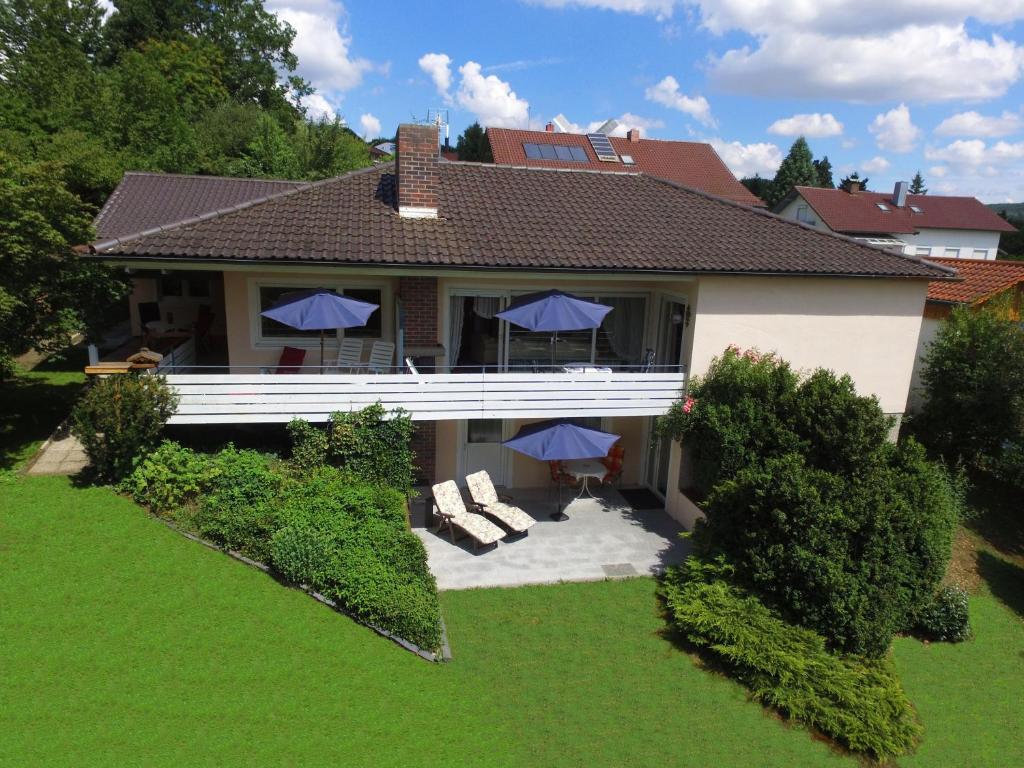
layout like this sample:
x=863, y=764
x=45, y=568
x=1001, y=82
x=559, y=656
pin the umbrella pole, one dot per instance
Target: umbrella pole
x=321, y=351
x=558, y=513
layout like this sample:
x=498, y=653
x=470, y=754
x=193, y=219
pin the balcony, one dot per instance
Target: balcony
x=215, y=398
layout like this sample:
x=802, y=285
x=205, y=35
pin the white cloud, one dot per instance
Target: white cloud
x=318, y=108
x=370, y=125
x=748, y=159
x=920, y=63
x=491, y=99
x=625, y=121
x=322, y=45
x=938, y=170
x=667, y=94
x=975, y=124
x=894, y=130
x=813, y=126
x=991, y=172
x=876, y=164
x=438, y=66
x=659, y=8
x=975, y=153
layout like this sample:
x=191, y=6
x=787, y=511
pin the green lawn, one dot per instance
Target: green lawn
x=122, y=643
x=33, y=403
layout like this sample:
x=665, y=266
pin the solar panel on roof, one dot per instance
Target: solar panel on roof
x=602, y=147
x=535, y=151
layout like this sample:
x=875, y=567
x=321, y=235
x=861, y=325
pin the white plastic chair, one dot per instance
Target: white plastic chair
x=381, y=354
x=350, y=355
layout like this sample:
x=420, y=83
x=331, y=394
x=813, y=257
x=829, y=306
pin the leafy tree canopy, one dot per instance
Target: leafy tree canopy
x=472, y=145
x=824, y=170
x=797, y=169
x=917, y=186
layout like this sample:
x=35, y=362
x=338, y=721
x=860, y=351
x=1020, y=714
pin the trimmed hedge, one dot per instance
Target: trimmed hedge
x=856, y=701
x=946, y=617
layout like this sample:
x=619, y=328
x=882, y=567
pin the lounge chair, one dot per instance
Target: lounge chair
x=291, y=360
x=486, y=497
x=350, y=355
x=448, y=505
x=381, y=354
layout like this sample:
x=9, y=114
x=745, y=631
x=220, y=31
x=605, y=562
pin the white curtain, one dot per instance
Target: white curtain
x=486, y=306
x=456, y=317
x=625, y=326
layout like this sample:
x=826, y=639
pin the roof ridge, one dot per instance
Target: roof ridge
x=791, y=222
x=161, y=174
x=104, y=245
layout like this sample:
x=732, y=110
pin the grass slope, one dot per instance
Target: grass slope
x=125, y=644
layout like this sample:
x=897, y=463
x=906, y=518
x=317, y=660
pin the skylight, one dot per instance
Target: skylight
x=555, y=152
x=602, y=147
x=882, y=207
x=627, y=159
x=915, y=209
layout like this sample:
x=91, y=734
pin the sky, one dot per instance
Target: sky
x=883, y=87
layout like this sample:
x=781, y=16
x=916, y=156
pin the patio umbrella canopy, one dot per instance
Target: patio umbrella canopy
x=561, y=440
x=554, y=311
x=320, y=309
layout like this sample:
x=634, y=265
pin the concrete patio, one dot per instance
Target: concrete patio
x=602, y=538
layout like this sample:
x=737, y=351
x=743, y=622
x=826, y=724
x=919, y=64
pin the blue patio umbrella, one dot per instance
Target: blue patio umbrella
x=554, y=311
x=561, y=440
x=320, y=309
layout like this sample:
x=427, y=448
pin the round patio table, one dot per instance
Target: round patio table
x=584, y=469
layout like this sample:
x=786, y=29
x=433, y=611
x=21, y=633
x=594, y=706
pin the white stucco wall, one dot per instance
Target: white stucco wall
x=965, y=241
x=929, y=329
x=867, y=328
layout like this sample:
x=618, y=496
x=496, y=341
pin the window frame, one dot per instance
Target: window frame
x=951, y=253
x=260, y=340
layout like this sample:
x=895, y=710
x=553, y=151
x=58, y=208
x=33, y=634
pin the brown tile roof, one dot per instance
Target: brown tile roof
x=171, y=198
x=495, y=216
x=859, y=212
x=690, y=163
x=982, y=279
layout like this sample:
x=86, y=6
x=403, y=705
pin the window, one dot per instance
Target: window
x=198, y=287
x=980, y=253
x=171, y=285
x=952, y=253
x=555, y=152
x=915, y=209
x=619, y=341
x=922, y=250
x=883, y=207
x=803, y=215
x=271, y=329
x=483, y=431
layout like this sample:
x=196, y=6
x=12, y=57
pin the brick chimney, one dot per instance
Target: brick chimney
x=416, y=171
x=550, y=127
x=633, y=135
x=853, y=187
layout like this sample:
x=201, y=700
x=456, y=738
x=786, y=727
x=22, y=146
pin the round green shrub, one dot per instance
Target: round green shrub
x=169, y=478
x=302, y=555
x=119, y=419
x=946, y=618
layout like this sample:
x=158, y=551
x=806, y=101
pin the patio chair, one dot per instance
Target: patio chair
x=380, y=356
x=486, y=497
x=613, y=463
x=448, y=505
x=291, y=360
x=350, y=355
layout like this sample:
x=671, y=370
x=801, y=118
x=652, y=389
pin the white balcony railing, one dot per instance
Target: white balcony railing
x=235, y=398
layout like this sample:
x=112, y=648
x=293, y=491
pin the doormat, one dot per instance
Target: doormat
x=641, y=498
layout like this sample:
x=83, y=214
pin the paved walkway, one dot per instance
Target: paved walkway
x=62, y=455
x=603, y=538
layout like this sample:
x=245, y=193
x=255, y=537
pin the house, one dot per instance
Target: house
x=689, y=163
x=982, y=281
x=919, y=225
x=443, y=246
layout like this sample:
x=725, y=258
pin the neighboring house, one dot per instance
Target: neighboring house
x=920, y=225
x=690, y=163
x=981, y=282
x=443, y=246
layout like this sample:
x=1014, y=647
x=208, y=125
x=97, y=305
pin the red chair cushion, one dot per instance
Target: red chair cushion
x=291, y=360
x=613, y=462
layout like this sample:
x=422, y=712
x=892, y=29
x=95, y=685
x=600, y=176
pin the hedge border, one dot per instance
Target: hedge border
x=444, y=655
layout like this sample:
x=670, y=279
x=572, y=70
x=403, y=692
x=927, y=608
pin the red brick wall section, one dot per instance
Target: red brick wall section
x=424, y=445
x=419, y=299
x=416, y=166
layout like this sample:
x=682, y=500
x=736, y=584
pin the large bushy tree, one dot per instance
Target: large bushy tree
x=474, y=146
x=797, y=170
x=974, y=383
x=816, y=511
x=47, y=292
